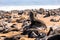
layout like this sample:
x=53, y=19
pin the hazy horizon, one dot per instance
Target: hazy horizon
x=9, y=8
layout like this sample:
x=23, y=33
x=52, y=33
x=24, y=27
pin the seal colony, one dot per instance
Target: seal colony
x=41, y=24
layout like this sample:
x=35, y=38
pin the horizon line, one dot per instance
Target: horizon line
x=9, y=8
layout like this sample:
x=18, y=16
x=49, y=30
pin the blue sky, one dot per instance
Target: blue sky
x=29, y=2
